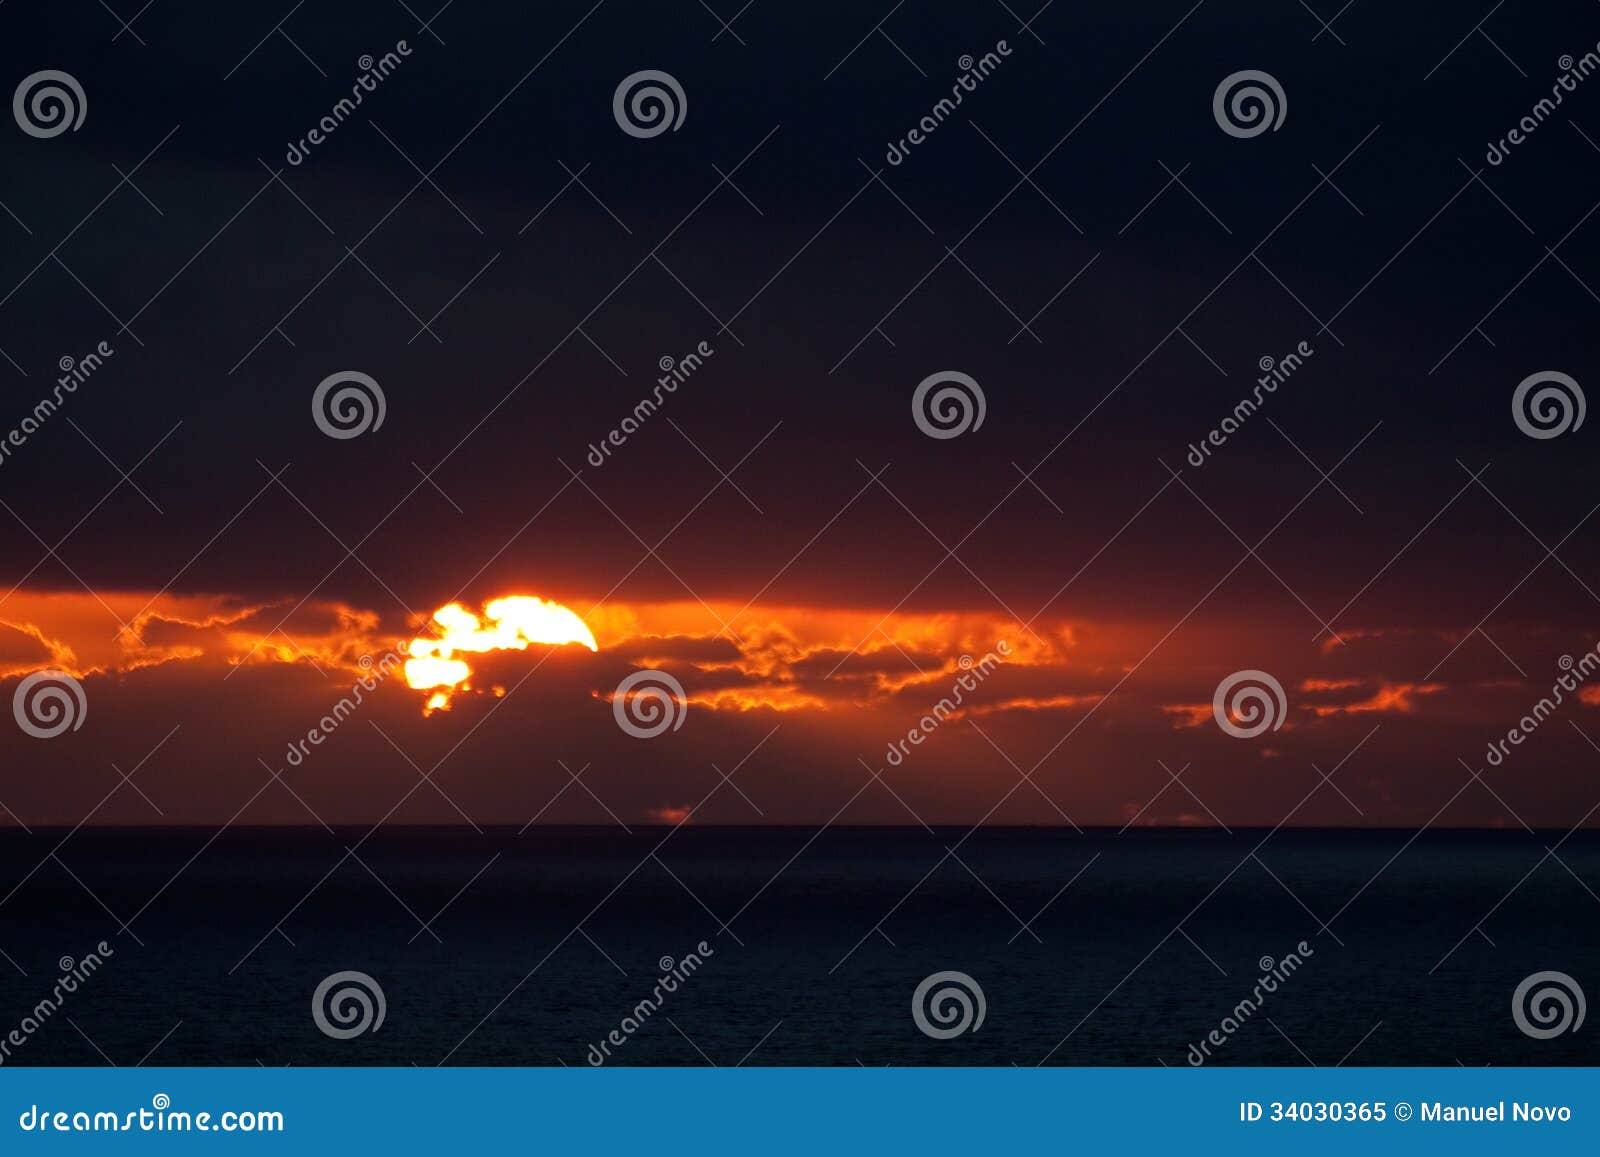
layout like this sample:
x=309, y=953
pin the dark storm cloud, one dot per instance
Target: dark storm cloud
x=235, y=409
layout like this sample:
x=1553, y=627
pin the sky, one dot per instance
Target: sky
x=1080, y=238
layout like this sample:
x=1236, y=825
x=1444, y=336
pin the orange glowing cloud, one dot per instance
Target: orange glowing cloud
x=1033, y=703
x=729, y=657
x=1189, y=714
x=732, y=657
x=106, y=631
x=741, y=658
x=1395, y=698
x=781, y=656
x=1399, y=698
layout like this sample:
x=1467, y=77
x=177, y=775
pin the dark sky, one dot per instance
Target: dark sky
x=486, y=188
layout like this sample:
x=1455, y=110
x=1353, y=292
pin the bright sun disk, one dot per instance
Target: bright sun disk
x=512, y=623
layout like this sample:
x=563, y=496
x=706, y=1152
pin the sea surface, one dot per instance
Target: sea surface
x=507, y=948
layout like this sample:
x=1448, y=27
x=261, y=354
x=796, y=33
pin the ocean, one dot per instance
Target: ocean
x=1382, y=947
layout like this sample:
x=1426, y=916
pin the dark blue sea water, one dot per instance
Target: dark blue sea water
x=547, y=940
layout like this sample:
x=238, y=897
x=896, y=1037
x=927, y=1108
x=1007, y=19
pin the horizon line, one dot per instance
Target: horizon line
x=1081, y=829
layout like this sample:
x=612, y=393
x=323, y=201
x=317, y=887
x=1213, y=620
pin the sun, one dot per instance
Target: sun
x=512, y=623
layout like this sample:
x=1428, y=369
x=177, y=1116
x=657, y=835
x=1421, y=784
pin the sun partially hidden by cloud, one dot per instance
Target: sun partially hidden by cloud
x=512, y=623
